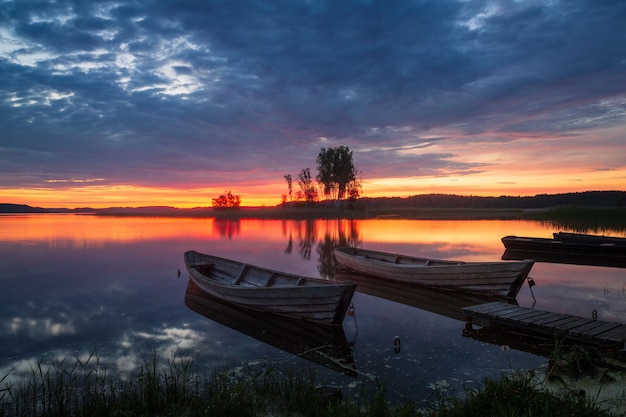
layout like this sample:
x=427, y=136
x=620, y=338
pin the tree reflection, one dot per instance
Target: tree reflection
x=289, y=247
x=336, y=233
x=345, y=233
x=306, y=232
x=307, y=239
x=227, y=227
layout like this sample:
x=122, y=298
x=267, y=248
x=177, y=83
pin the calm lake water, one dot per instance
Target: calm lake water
x=72, y=285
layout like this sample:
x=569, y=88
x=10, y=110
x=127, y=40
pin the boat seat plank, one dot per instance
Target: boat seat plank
x=271, y=280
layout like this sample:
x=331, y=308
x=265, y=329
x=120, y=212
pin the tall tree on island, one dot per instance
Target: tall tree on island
x=336, y=172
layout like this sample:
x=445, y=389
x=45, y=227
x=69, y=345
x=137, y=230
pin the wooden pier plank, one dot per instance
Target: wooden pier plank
x=519, y=314
x=495, y=306
x=526, y=318
x=565, y=321
x=602, y=328
x=617, y=334
x=573, y=325
x=529, y=320
x=545, y=322
x=589, y=327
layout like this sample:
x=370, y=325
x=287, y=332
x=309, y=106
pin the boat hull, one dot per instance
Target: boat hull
x=585, y=238
x=566, y=246
x=271, y=291
x=497, y=278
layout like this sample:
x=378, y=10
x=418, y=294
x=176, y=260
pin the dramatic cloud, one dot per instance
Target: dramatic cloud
x=190, y=94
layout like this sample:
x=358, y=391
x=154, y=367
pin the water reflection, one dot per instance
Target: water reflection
x=322, y=344
x=335, y=233
x=75, y=283
x=346, y=234
x=227, y=228
x=445, y=302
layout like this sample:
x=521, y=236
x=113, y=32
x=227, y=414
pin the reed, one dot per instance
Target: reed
x=586, y=219
x=520, y=395
x=176, y=387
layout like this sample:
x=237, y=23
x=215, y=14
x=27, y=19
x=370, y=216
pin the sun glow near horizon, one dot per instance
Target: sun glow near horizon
x=481, y=184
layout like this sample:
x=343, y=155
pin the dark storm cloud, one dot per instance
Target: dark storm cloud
x=123, y=91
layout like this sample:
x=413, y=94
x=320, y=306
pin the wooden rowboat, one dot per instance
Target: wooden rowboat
x=501, y=278
x=589, y=246
x=585, y=238
x=267, y=290
x=316, y=342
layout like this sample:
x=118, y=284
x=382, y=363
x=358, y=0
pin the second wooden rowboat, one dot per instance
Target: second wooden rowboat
x=572, y=244
x=590, y=239
x=264, y=289
x=502, y=278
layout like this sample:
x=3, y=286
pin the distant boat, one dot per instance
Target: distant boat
x=591, y=247
x=267, y=290
x=496, y=278
x=316, y=342
x=585, y=238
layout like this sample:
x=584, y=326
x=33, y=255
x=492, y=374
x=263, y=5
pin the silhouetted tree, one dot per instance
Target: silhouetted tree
x=336, y=172
x=309, y=192
x=289, y=185
x=227, y=201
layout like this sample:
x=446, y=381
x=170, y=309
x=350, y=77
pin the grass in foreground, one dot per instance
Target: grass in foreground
x=82, y=388
x=519, y=396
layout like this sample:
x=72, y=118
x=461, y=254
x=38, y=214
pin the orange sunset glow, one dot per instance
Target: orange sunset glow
x=483, y=184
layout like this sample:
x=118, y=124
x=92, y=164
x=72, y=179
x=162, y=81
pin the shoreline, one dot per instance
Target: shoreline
x=330, y=213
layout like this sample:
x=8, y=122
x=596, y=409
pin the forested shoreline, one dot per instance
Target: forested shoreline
x=602, y=199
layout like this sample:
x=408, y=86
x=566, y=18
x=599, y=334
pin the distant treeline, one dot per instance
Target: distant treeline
x=23, y=208
x=603, y=199
x=541, y=201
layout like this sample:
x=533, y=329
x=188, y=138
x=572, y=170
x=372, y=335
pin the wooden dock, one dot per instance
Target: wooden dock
x=565, y=326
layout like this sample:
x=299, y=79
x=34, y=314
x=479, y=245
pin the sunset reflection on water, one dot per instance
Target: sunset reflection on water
x=75, y=282
x=82, y=228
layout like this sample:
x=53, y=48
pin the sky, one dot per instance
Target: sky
x=174, y=102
